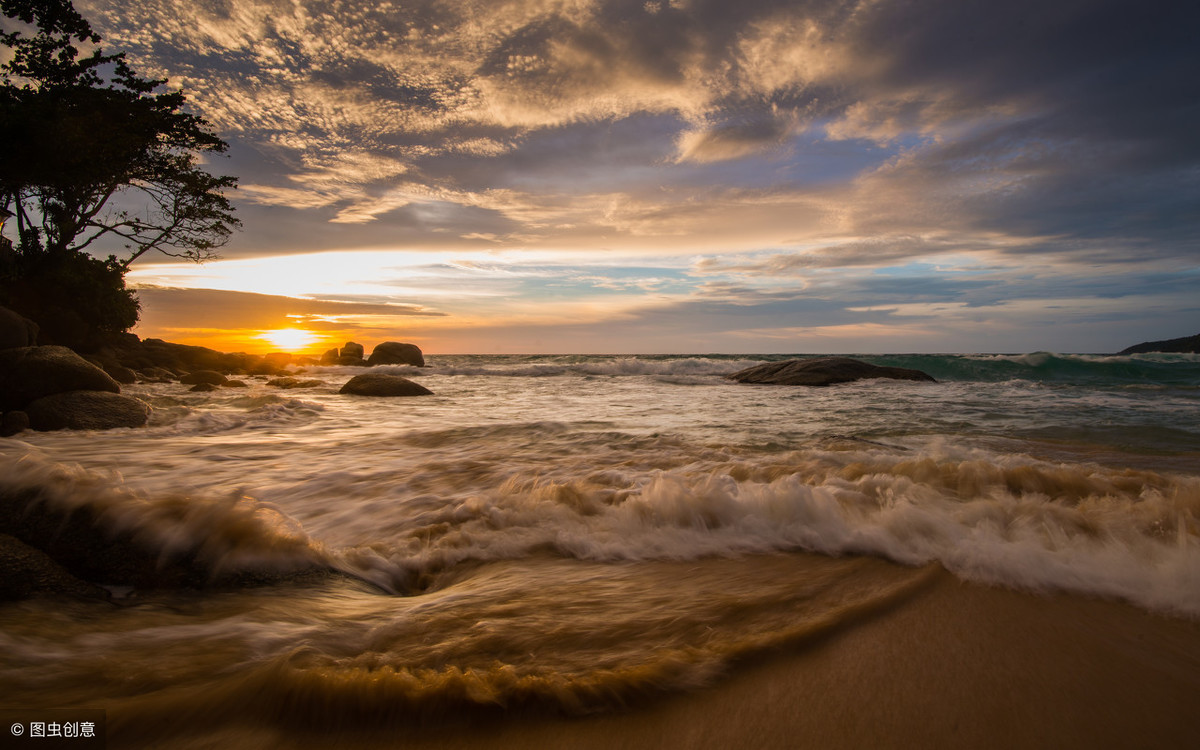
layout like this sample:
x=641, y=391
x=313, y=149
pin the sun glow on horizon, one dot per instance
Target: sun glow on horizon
x=289, y=339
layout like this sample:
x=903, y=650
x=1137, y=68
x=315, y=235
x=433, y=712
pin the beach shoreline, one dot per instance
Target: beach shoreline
x=955, y=665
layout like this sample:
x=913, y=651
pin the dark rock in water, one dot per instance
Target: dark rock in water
x=351, y=349
x=351, y=361
x=823, y=371
x=382, y=384
x=1185, y=345
x=13, y=422
x=114, y=538
x=203, y=376
x=86, y=410
x=234, y=384
x=29, y=373
x=16, y=330
x=204, y=388
x=29, y=573
x=330, y=357
x=290, y=383
x=156, y=375
x=396, y=353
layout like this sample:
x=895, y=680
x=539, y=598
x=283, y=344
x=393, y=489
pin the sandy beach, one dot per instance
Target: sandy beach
x=952, y=665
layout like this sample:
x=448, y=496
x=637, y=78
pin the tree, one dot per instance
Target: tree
x=95, y=157
x=93, y=153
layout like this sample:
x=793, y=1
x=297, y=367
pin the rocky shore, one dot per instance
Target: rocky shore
x=53, y=387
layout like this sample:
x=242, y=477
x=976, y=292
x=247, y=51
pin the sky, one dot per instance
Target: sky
x=685, y=176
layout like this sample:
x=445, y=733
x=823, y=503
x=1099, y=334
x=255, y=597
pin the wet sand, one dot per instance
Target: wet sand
x=957, y=665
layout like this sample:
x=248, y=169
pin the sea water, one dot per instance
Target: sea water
x=575, y=532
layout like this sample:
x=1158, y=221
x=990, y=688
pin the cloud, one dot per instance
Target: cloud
x=760, y=139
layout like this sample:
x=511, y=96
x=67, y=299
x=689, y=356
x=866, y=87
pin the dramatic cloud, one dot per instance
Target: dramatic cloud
x=799, y=143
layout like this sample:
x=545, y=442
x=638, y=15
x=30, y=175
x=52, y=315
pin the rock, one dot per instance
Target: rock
x=151, y=544
x=294, y=383
x=264, y=368
x=156, y=375
x=120, y=373
x=351, y=361
x=29, y=573
x=234, y=384
x=351, y=349
x=395, y=353
x=13, y=422
x=86, y=410
x=330, y=357
x=32, y=372
x=382, y=384
x=16, y=330
x=203, y=376
x=823, y=371
x=204, y=388
x=1187, y=344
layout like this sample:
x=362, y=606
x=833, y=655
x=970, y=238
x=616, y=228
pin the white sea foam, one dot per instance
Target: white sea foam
x=643, y=466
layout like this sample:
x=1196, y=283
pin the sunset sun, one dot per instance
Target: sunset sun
x=289, y=339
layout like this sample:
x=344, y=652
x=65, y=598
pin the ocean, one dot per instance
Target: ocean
x=588, y=550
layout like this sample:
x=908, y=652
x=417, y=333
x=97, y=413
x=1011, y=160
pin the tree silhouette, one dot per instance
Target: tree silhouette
x=93, y=153
x=96, y=158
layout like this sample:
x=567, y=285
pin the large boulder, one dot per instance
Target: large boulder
x=29, y=573
x=124, y=540
x=13, y=422
x=382, y=384
x=120, y=373
x=396, y=353
x=16, y=330
x=32, y=372
x=823, y=371
x=351, y=349
x=86, y=410
x=330, y=357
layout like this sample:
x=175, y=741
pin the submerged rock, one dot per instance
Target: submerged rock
x=203, y=376
x=289, y=383
x=382, y=384
x=823, y=371
x=86, y=410
x=32, y=372
x=396, y=353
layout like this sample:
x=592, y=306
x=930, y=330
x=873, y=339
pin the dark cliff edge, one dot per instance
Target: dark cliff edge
x=1185, y=345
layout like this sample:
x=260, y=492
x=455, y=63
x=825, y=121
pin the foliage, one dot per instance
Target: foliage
x=94, y=158
x=86, y=139
x=72, y=296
